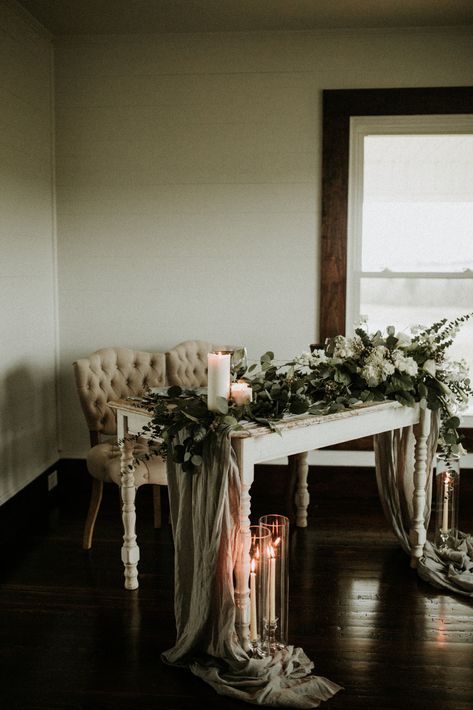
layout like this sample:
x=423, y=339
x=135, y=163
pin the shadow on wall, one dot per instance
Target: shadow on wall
x=27, y=427
x=74, y=439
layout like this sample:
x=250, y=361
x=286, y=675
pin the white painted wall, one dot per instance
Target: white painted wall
x=27, y=254
x=188, y=182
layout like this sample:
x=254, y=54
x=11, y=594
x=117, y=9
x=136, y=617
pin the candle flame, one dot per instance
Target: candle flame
x=276, y=542
x=253, y=565
x=271, y=551
x=441, y=636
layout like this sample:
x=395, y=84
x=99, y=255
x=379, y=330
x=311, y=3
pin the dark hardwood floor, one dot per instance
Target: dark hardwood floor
x=72, y=638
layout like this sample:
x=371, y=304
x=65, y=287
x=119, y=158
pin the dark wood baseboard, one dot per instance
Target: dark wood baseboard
x=30, y=509
x=26, y=509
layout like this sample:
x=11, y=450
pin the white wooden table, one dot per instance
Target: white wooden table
x=256, y=444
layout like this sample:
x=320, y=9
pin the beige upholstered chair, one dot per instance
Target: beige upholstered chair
x=186, y=363
x=108, y=374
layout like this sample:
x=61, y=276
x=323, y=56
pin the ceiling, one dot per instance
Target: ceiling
x=77, y=17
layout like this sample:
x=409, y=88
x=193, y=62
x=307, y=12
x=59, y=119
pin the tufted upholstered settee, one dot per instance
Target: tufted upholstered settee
x=116, y=373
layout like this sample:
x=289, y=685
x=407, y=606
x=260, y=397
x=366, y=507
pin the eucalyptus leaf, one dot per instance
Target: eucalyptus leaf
x=188, y=467
x=342, y=377
x=298, y=406
x=174, y=391
x=190, y=416
x=229, y=420
x=222, y=405
x=178, y=454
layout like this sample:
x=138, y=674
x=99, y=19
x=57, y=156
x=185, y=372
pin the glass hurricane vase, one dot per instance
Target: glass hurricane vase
x=275, y=633
x=447, y=484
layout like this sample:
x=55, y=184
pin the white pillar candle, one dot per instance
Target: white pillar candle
x=218, y=378
x=272, y=586
x=253, y=612
x=241, y=393
x=445, y=503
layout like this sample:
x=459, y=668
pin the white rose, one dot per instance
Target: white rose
x=404, y=364
x=387, y=369
x=370, y=374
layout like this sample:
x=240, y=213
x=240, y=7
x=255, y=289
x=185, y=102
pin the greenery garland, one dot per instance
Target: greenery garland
x=346, y=371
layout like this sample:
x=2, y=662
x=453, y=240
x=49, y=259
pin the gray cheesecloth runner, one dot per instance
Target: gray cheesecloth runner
x=394, y=453
x=205, y=522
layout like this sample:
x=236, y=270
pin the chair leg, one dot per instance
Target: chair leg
x=94, y=505
x=157, y=505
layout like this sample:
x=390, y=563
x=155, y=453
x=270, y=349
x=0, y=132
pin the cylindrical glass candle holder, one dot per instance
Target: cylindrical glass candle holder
x=447, y=482
x=275, y=635
x=260, y=541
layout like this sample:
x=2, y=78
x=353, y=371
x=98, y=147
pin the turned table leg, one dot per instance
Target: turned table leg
x=299, y=464
x=130, y=550
x=242, y=567
x=417, y=534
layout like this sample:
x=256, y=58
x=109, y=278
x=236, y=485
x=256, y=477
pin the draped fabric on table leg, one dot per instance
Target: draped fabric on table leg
x=394, y=454
x=205, y=521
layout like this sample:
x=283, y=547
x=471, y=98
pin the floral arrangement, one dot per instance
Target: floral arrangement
x=346, y=371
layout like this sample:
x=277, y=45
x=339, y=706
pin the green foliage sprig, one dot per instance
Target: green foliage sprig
x=364, y=368
x=182, y=410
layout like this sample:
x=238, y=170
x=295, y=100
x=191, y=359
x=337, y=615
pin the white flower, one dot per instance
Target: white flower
x=343, y=348
x=371, y=374
x=305, y=361
x=404, y=363
x=377, y=367
x=346, y=348
x=387, y=368
x=403, y=340
x=318, y=356
x=457, y=371
x=303, y=358
x=430, y=367
x=378, y=354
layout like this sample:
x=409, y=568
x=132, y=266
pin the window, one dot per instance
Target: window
x=410, y=223
x=339, y=106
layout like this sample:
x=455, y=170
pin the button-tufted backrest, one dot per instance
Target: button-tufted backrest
x=186, y=364
x=114, y=373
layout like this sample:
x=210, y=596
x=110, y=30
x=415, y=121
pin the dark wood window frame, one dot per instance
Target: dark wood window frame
x=338, y=107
